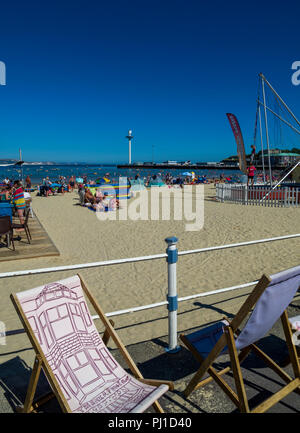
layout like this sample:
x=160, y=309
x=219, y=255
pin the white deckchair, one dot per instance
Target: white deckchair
x=81, y=371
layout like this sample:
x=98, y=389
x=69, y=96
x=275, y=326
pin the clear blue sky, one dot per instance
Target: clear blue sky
x=81, y=73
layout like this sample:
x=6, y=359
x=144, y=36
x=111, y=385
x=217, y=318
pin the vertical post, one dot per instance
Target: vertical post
x=129, y=137
x=129, y=151
x=21, y=167
x=172, y=293
x=262, y=146
x=267, y=132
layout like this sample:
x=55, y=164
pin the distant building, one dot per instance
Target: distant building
x=171, y=162
x=279, y=158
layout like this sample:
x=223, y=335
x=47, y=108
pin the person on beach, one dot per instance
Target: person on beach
x=7, y=192
x=88, y=197
x=72, y=183
x=47, y=185
x=252, y=153
x=19, y=201
x=63, y=184
x=99, y=195
x=251, y=171
x=28, y=182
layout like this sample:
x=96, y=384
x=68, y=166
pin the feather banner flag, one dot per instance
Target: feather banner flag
x=239, y=141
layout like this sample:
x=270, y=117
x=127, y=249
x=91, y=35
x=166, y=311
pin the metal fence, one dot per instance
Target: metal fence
x=171, y=255
x=258, y=195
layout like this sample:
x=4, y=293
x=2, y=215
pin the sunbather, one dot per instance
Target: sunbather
x=88, y=197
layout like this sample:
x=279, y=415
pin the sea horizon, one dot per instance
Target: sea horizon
x=93, y=171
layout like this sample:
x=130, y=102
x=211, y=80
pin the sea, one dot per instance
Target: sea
x=38, y=172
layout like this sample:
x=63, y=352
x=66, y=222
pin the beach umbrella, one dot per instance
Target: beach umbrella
x=186, y=173
x=102, y=180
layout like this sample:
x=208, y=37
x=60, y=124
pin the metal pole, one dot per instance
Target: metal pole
x=280, y=99
x=280, y=118
x=172, y=258
x=267, y=132
x=278, y=183
x=129, y=145
x=262, y=146
x=21, y=168
x=129, y=137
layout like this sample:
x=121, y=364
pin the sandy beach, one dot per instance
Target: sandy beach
x=82, y=238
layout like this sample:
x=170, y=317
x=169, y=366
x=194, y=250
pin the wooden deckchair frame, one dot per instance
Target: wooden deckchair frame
x=41, y=361
x=239, y=397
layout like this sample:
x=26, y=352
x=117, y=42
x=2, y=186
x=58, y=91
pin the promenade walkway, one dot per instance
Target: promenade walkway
x=16, y=359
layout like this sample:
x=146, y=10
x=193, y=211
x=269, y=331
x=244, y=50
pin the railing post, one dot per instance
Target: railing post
x=245, y=194
x=172, y=293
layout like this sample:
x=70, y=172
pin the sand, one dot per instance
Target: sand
x=81, y=238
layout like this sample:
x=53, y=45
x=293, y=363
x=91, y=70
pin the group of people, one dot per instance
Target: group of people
x=171, y=180
x=61, y=186
x=99, y=201
x=13, y=192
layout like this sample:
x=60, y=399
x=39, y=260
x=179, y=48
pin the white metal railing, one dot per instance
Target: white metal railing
x=172, y=300
x=258, y=195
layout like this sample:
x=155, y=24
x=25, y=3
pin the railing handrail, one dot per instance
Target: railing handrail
x=172, y=297
x=282, y=196
x=138, y=259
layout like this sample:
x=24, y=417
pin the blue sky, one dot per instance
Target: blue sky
x=81, y=73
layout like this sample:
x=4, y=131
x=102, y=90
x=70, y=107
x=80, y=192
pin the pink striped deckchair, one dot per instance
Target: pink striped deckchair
x=81, y=371
x=269, y=301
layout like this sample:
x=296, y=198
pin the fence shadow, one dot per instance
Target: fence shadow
x=156, y=363
x=260, y=381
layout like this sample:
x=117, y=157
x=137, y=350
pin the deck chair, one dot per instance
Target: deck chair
x=269, y=300
x=24, y=225
x=81, y=371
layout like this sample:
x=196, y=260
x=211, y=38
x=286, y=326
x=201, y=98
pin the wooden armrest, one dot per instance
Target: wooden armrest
x=156, y=382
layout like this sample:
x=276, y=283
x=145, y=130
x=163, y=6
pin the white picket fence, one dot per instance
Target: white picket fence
x=258, y=195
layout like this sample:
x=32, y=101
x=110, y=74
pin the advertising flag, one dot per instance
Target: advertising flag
x=239, y=141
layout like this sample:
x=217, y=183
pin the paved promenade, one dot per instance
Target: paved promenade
x=16, y=359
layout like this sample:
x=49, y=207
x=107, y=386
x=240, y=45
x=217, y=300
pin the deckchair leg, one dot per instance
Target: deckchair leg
x=236, y=369
x=269, y=361
x=32, y=386
x=157, y=407
x=205, y=365
x=44, y=399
